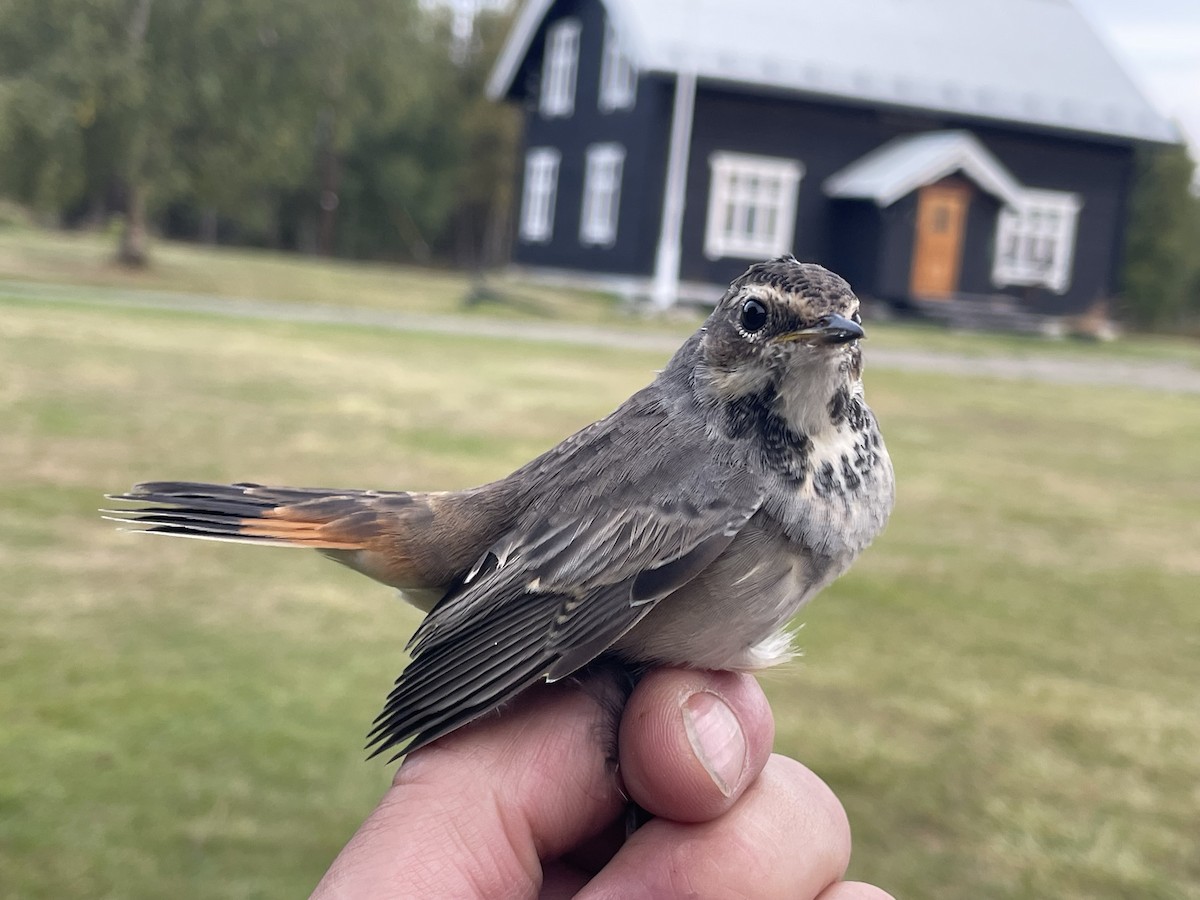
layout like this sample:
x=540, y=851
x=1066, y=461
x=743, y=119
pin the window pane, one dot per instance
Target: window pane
x=559, y=67
x=601, y=194
x=751, y=205
x=537, y=202
x=618, y=82
x=1034, y=245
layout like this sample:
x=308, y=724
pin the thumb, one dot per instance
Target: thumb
x=693, y=741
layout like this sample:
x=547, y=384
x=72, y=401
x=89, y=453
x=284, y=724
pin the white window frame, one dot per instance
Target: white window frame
x=618, y=78
x=538, y=194
x=751, y=205
x=559, y=69
x=1035, y=241
x=601, y=195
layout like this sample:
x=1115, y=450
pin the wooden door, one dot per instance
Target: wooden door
x=937, y=247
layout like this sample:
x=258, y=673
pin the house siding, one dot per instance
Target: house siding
x=895, y=263
x=822, y=138
x=825, y=138
x=1100, y=173
x=979, y=244
x=858, y=261
x=872, y=246
x=642, y=131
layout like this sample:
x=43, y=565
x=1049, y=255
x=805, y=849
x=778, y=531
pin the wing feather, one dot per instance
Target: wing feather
x=611, y=526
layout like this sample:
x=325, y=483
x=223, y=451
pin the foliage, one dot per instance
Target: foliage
x=298, y=123
x=431, y=177
x=1162, y=267
x=66, y=83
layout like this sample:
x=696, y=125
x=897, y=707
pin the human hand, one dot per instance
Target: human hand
x=526, y=805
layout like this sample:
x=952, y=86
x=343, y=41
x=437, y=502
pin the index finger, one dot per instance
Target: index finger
x=473, y=814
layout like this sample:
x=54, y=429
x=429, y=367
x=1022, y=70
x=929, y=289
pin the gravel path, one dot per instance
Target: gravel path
x=1171, y=377
x=1150, y=375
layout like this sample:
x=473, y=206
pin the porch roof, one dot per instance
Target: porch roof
x=902, y=165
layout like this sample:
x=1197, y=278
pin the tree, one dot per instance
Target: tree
x=427, y=172
x=352, y=127
x=1162, y=266
x=385, y=143
x=245, y=73
x=64, y=76
x=90, y=107
x=489, y=135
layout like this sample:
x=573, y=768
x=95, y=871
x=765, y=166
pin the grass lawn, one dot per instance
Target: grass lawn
x=87, y=259
x=61, y=257
x=1003, y=691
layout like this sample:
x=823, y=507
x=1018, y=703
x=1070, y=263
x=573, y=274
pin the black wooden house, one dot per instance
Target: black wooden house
x=925, y=149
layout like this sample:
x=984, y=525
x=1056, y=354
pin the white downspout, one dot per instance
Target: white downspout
x=670, y=238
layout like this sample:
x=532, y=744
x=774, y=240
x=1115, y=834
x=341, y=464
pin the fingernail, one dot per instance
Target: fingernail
x=716, y=738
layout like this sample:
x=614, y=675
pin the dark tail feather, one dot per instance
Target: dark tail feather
x=315, y=518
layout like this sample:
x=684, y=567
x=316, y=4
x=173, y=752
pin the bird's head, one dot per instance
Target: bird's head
x=784, y=326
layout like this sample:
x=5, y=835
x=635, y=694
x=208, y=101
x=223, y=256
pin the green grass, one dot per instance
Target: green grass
x=86, y=258
x=1003, y=691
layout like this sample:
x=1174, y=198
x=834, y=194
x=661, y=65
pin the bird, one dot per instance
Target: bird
x=686, y=528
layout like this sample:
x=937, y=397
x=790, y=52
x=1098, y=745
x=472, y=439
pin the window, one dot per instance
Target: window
x=751, y=205
x=618, y=80
x=1035, y=242
x=558, y=69
x=601, y=194
x=537, y=199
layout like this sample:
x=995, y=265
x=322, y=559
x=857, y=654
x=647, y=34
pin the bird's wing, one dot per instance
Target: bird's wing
x=628, y=511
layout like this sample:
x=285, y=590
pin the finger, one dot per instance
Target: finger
x=787, y=837
x=692, y=741
x=562, y=881
x=854, y=890
x=472, y=814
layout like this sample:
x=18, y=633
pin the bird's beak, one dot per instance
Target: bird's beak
x=832, y=329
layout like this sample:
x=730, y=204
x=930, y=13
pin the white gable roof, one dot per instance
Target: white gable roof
x=1032, y=61
x=904, y=164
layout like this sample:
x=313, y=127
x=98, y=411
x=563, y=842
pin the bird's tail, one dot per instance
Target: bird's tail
x=407, y=540
x=315, y=518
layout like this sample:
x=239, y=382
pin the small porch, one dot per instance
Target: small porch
x=935, y=218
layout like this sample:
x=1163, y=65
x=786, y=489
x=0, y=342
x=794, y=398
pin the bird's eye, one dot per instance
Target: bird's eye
x=754, y=316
